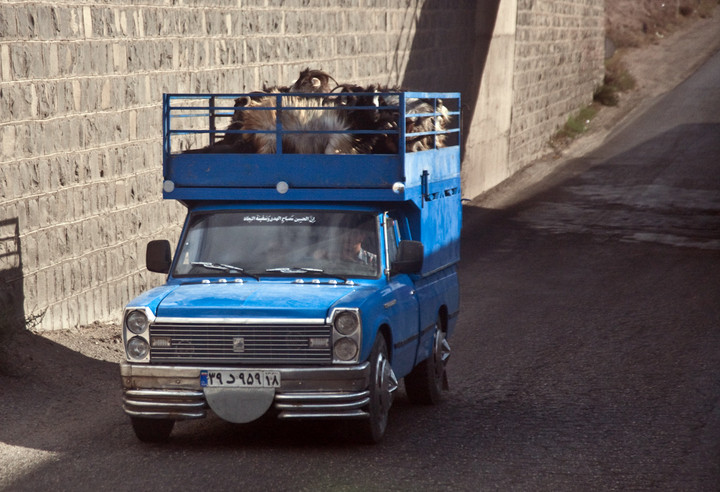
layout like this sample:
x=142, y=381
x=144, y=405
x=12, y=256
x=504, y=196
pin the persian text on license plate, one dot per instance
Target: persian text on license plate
x=240, y=379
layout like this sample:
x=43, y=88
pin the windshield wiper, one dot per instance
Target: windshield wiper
x=223, y=267
x=319, y=271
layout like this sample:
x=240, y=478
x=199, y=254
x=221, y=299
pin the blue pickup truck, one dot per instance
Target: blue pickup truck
x=304, y=285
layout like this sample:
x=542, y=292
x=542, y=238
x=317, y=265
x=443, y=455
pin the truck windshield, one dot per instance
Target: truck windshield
x=296, y=243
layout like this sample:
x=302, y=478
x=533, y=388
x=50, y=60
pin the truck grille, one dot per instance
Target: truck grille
x=240, y=344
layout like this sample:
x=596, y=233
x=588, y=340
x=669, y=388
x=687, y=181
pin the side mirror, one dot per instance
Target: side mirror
x=409, y=257
x=157, y=256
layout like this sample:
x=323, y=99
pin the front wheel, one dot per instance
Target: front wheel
x=152, y=430
x=383, y=383
x=426, y=381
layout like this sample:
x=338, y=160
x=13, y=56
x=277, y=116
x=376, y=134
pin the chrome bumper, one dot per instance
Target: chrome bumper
x=174, y=392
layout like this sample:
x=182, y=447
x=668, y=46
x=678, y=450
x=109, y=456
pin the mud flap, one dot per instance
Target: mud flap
x=239, y=405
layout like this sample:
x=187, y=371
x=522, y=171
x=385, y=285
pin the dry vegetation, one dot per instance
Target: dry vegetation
x=635, y=23
x=630, y=24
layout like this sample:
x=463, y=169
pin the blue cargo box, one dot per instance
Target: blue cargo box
x=194, y=121
x=427, y=180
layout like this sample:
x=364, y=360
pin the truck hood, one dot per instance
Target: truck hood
x=258, y=300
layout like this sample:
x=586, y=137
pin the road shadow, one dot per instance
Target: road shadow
x=659, y=191
x=53, y=395
x=12, y=295
x=589, y=315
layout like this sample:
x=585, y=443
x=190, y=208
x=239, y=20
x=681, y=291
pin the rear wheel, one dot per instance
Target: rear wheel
x=152, y=430
x=426, y=381
x=382, y=385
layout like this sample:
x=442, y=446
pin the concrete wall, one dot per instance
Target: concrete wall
x=559, y=55
x=487, y=143
x=80, y=93
x=544, y=60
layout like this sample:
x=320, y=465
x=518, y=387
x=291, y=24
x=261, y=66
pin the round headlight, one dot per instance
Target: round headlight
x=346, y=323
x=137, y=348
x=136, y=322
x=345, y=349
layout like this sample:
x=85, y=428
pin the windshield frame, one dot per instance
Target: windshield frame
x=292, y=269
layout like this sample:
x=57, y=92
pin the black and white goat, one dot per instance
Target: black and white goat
x=309, y=126
x=378, y=109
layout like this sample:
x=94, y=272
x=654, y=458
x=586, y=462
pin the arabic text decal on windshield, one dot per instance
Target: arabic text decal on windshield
x=296, y=219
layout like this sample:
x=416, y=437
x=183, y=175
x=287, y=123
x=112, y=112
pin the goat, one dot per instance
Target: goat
x=385, y=118
x=309, y=115
x=312, y=81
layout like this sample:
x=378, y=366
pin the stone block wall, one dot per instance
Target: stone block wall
x=80, y=122
x=81, y=83
x=559, y=63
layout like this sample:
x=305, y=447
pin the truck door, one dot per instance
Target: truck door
x=400, y=302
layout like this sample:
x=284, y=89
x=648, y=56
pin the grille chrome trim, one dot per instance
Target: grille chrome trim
x=241, y=321
x=217, y=343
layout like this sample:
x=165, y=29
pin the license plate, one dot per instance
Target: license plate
x=240, y=379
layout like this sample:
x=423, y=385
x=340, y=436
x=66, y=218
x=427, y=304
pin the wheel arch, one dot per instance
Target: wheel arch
x=385, y=331
x=443, y=317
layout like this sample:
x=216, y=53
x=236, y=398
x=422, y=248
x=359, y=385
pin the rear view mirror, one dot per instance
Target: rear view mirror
x=157, y=256
x=409, y=257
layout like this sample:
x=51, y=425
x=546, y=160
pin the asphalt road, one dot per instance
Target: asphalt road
x=587, y=356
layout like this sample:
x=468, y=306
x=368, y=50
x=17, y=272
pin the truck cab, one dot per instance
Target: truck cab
x=303, y=285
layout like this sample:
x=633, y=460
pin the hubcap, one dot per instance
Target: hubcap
x=441, y=353
x=386, y=383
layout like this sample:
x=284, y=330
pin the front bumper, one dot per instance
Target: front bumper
x=174, y=392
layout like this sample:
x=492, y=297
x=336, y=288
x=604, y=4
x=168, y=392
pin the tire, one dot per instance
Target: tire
x=425, y=383
x=382, y=386
x=152, y=430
